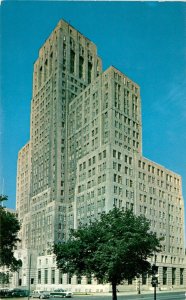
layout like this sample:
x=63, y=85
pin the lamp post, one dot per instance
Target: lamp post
x=154, y=281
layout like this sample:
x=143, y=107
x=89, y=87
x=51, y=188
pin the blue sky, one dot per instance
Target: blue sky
x=145, y=40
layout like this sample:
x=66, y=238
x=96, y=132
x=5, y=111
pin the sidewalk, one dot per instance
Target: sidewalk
x=124, y=293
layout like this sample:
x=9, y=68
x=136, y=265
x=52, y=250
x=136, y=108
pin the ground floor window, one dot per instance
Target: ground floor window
x=181, y=276
x=39, y=277
x=164, y=275
x=89, y=279
x=173, y=276
x=69, y=278
x=100, y=281
x=78, y=279
x=144, y=278
x=46, y=276
x=60, y=277
x=53, y=277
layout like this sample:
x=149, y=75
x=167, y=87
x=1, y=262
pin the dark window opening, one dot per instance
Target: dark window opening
x=81, y=61
x=181, y=276
x=69, y=279
x=164, y=275
x=20, y=282
x=53, y=277
x=60, y=277
x=46, y=277
x=79, y=280
x=39, y=276
x=89, y=279
x=144, y=278
x=173, y=276
x=89, y=72
x=72, y=61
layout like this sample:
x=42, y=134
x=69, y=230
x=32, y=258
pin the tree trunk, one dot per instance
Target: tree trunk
x=114, y=291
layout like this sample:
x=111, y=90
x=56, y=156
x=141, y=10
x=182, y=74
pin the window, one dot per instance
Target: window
x=20, y=282
x=60, y=277
x=81, y=62
x=144, y=278
x=69, y=279
x=78, y=279
x=173, y=276
x=114, y=165
x=164, y=275
x=39, y=277
x=53, y=276
x=72, y=61
x=89, y=71
x=89, y=279
x=46, y=276
x=181, y=276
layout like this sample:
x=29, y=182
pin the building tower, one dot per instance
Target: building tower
x=85, y=156
x=67, y=63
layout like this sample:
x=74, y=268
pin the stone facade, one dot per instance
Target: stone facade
x=23, y=194
x=84, y=157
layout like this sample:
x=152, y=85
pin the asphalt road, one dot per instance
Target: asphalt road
x=159, y=296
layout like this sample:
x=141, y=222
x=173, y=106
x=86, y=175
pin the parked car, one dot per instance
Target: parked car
x=18, y=293
x=40, y=294
x=61, y=293
x=4, y=293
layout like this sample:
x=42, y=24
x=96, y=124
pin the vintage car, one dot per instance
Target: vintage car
x=18, y=293
x=5, y=293
x=61, y=293
x=40, y=294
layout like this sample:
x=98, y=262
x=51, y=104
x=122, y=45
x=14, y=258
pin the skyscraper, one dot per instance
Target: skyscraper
x=85, y=156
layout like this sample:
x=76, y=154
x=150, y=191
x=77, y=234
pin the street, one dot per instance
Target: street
x=159, y=296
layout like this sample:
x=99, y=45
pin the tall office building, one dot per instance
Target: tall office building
x=85, y=156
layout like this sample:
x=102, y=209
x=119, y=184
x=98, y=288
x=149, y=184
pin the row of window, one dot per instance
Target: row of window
x=176, y=277
x=159, y=172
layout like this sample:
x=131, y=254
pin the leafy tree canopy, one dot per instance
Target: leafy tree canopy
x=9, y=227
x=113, y=249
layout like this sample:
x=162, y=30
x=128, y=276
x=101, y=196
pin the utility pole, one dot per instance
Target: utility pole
x=29, y=270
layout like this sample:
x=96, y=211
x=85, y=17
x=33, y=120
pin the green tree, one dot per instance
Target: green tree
x=9, y=227
x=4, y=278
x=113, y=249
